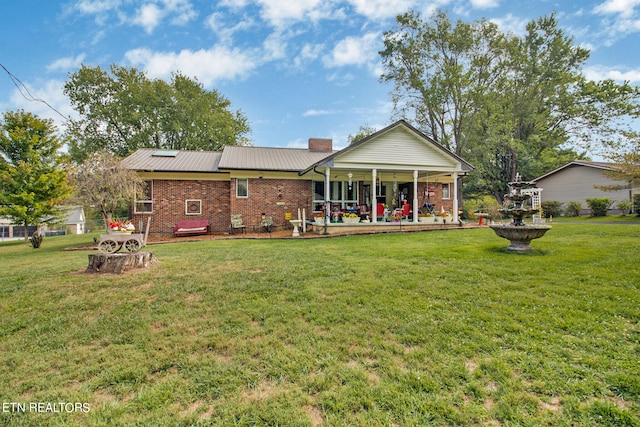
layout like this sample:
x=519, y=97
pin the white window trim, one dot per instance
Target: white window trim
x=237, y=186
x=136, y=202
x=448, y=186
x=189, y=203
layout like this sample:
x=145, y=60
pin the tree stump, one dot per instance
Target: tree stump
x=118, y=263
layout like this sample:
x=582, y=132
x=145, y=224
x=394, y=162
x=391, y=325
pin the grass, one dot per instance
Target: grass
x=438, y=328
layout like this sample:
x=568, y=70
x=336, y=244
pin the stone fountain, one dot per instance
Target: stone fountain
x=517, y=232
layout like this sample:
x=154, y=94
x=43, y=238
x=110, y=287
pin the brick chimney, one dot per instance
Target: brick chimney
x=320, y=144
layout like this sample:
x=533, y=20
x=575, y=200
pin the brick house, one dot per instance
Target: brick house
x=394, y=166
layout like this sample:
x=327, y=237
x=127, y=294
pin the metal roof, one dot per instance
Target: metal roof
x=596, y=165
x=269, y=158
x=151, y=159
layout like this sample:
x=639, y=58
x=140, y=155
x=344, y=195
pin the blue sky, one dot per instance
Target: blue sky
x=296, y=68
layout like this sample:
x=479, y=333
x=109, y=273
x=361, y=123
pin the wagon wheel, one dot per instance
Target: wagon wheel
x=109, y=246
x=132, y=245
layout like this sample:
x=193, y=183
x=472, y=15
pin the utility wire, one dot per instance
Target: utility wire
x=28, y=96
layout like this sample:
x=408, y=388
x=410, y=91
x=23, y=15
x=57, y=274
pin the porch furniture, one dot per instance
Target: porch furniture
x=406, y=211
x=236, y=223
x=380, y=213
x=267, y=224
x=187, y=227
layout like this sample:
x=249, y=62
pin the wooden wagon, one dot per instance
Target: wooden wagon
x=130, y=242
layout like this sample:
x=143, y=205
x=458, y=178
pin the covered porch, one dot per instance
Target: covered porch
x=396, y=177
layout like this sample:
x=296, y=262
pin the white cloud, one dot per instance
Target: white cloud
x=90, y=7
x=625, y=8
x=485, y=4
x=216, y=23
x=354, y=51
x=314, y=112
x=208, y=66
x=308, y=53
x=149, y=17
x=65, y=64
x=511, y=24
x=598, y=73
x=381, y=9
x=279, y=12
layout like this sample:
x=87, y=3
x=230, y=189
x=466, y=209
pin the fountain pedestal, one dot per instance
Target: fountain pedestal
x=520, y=236
x=517, y=232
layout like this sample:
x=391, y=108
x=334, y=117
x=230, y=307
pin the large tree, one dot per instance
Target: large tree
x=504, y=102
x=33, y=179
x=102, y=181
x=122, y=110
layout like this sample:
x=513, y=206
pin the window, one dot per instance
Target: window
x=340, y=194
x=446, y=191
x=242, y=187
x=193, y=207
x=143, y=202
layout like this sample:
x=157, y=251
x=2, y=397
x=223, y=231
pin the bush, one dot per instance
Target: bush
x=625, y=206
x=551, y=208
x=599, y=205
x=484, y=204
x=573, y=209
x=36, y=240
x=636, y=204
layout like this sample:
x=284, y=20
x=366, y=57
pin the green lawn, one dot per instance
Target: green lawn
x=412, y=329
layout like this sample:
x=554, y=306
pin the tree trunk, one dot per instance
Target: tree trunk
x=119, y=262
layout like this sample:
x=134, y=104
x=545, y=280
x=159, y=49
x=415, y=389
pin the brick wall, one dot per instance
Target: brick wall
x=169, y=198
x=273, y=197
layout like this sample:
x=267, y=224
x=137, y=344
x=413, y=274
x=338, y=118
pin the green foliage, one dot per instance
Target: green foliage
x=599, y=205
x=505, y=103
x=636, y=204
x=573, y=209
x=487, y=205
x=625, y=206
x=552, y=208
x=36, y=240
x=33, y=180
x=123, y=110
x=103, y=182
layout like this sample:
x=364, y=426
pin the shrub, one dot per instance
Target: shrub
x=573, y=209
x=551, y=208
x=599, y=205
x=636, y=204
x=625, y=206
x=36, y=240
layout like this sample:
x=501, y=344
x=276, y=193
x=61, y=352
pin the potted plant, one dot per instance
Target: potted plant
x=424, y=216
x=319, y=218
x=395, y=218
x=350, y=218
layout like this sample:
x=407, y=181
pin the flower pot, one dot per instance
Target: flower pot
x=350, y=220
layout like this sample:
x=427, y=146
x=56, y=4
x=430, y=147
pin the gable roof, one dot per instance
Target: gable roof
x=585, y=163
x=269, y=159
x=440, y=153
x=151, y=159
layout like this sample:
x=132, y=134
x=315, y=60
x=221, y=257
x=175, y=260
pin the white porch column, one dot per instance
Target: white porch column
x=374, y=200
x=455, y=196
x=327, y=195
x=415, y=196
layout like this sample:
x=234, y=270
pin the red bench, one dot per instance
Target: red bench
x=191, y=226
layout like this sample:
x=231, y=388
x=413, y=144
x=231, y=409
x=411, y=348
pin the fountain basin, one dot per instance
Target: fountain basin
x=520, y=235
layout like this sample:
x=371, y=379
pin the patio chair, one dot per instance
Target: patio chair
x=380, y=210
x=236, y=223
x=406, y=211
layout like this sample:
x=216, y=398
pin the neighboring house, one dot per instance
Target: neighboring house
x=576, y=181
x=73, y=222
x=394, y=164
